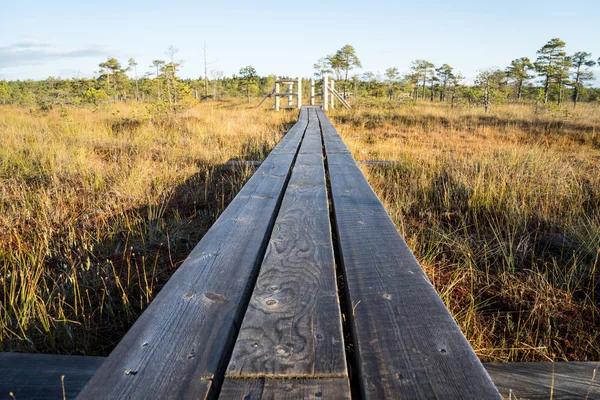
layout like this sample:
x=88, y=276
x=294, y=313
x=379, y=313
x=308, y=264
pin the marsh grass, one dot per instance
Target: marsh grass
x=503, y=212
x=99, y=207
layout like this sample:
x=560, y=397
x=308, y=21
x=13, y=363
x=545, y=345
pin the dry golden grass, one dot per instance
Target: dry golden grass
x=98, y=208
x=503, y=212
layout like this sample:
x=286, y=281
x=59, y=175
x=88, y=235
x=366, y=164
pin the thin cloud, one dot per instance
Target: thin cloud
x=32, y=52
x=30, y=44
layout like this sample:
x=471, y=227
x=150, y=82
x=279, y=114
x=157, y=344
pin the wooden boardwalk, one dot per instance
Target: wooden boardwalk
x=303, y=288
x=38, y=377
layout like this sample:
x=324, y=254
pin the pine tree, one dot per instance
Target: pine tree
x=444, y=74
x=342, y=62
x=549, y=61
x=133, y=65
x=455, y=82
x=392, y=76
x=581, y=62
x=111, y=70
x=422, y=71
x=158, y=64
x=518, y=74
x=322, y=67
x=490, y=81
x=248, y=77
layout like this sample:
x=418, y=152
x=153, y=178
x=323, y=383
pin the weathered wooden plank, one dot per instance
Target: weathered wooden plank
x=545, y=380
x=289, y=142
x=256, y=163
x=242, y=163
x=406, y=342
x=180, y=341
x=312, y=143
x=38, y=376
x=333, y=141
x=292, y=327
x=276, y=389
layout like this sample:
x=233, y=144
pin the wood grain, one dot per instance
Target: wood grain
x=38, y=376
x=333, y=141
x=533, y=380
x=289, y=142
x=179, y=342
x=406, y=342
x=286, y=389
x=292, y=327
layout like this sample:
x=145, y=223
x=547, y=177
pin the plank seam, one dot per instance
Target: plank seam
x=345, y=308
x=219, y=376
x=413, y=353
x=286, y=377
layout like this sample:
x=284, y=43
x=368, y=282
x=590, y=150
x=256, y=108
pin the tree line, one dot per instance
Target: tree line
x=559, y=77
x=115, y=83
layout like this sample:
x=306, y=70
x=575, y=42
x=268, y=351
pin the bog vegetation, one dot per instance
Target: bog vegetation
x=502, y=209
x=106, y=184
x=98, y=209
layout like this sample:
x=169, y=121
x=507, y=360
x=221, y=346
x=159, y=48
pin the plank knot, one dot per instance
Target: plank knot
x=215, y=297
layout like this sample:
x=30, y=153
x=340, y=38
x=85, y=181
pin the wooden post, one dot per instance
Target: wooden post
x=312, y=91
x=325, y=90
x=277, y=98
x=290, y=90
x=332, y=96
x=299, y=92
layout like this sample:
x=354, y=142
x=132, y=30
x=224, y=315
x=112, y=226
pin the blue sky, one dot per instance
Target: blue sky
x=69, y=38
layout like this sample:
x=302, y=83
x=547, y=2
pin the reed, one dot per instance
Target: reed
x=99, y=207
x=502, y=209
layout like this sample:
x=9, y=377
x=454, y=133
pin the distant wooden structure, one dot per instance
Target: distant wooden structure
x=255, y=311
x=328, y=94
